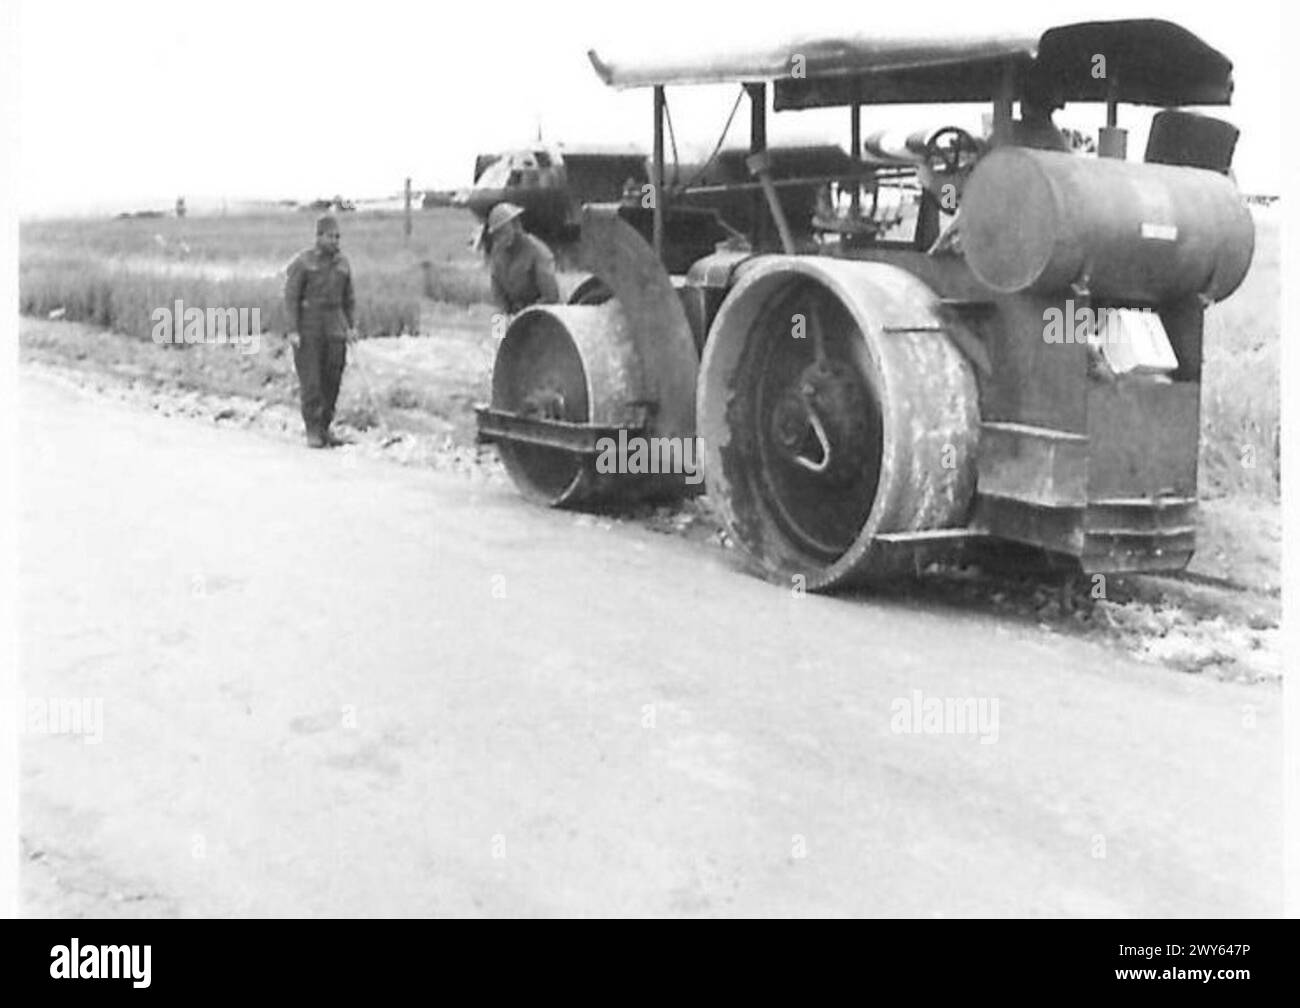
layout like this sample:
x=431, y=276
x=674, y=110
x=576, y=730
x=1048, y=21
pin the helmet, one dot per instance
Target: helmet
x=502, y=214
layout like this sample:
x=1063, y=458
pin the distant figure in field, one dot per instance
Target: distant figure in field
x=523, y=268
x=319, y=297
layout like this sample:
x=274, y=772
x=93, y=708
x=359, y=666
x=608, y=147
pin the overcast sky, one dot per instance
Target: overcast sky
x=134, y=102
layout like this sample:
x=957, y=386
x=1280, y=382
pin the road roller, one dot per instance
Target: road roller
x=949, y=340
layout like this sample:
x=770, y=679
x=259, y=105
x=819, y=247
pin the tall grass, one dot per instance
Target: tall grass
x=114, y=273
x=1240, y=377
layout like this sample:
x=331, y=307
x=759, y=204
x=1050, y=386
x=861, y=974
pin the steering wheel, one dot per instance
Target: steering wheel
x=952, y=151
x=950, y=154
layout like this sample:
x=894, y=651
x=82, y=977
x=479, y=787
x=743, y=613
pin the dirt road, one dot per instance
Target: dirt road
x=330, y=685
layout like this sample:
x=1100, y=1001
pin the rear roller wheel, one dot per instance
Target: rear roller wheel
x=834, y=410
x=814, y=420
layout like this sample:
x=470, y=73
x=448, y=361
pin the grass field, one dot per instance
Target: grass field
x=113, y=273
x=1241, y=388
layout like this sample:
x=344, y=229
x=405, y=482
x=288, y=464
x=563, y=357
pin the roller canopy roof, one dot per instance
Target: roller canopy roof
x=1153, y=62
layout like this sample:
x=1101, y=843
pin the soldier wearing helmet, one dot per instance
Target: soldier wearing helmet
x=523, y=268
x=320, y=302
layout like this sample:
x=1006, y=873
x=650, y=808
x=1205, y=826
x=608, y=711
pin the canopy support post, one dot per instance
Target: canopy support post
x=1112, y=142
x=657, y=173
x=1006, y=96
x=855, y=152
x=758, y=145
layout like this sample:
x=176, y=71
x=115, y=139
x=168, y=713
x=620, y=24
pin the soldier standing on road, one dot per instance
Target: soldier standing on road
x=318, y=295
x=523, y=268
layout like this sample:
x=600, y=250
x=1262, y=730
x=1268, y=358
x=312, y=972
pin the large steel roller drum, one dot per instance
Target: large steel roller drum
x=574, y=363
x=1126, y=231
x=820, y=439
x=620, y=355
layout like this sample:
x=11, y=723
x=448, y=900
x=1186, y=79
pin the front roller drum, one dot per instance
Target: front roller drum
x=575, y=369
x=836, y=416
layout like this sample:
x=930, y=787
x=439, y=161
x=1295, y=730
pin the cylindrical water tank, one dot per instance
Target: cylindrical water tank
x=1131, y=232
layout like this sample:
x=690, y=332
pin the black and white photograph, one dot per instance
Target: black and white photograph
x=693, y=460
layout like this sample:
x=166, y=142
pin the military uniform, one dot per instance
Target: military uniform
x=321, y=305
x=523, y=274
